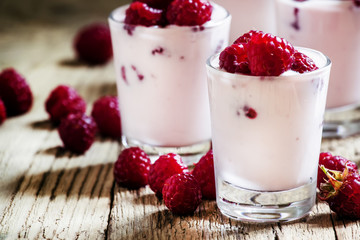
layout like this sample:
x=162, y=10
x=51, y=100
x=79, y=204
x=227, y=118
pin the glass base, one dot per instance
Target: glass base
x=341, y=123
x=265, y=207
x=190, y=154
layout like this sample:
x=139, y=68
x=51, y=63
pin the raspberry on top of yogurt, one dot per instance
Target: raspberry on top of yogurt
x=162, y=13
x=263, y=54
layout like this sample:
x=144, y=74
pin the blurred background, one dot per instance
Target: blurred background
x=55, y=11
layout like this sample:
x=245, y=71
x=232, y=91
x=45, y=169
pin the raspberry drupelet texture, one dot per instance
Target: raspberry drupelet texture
x=2, y=112
x=15, y=92
x=107, y=116
x=269, y=55
x=62, y=101
x=77, y=132
x=159, y=4
x=336, y=163
x=139, y=13
x=93, y=44
x=342, y=192
x=246, y=37
x=303, y=63
x=132, y=168
x=189, y=12
x=204, y=174
x=182, y=194
x=163, y=168
x=233, y=59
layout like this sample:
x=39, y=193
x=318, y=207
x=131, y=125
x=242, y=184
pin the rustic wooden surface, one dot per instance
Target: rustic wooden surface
x=47, y=192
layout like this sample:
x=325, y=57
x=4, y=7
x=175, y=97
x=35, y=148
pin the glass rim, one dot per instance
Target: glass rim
x=233, y=75
x=112, y=18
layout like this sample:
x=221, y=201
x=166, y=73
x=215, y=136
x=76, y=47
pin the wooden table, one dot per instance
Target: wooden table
x=47, y=192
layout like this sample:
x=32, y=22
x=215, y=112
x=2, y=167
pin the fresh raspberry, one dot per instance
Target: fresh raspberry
x=140, y=13
x=159, y=4
x=336, y=163
x=163, y=168
x=342, y=192
x=204, y=174
x=62, y=101
x=2, y=112
x=182, y=194
x=303, y=63
x=15, y=92
x=269, y=55
x=245, y=38
x=132, y=168
x=233, y=59
x=93, y=44
x=77, y=131
x=189, y=12
x=356, y=3
x=107, y=116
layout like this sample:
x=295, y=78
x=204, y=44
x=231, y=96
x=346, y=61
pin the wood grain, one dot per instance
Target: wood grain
x=47, y=192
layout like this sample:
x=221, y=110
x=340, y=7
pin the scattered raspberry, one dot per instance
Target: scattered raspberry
x=182, y=194
x=336, y=163
x=303, y=63
x=140, y=13
x=77, y=131
x=159, y=4
x=357, y=3
x=245, y=38
x=250, y=112
x=233, y=59
x=342, y=192
x=2, y=112
x=163, y=168
x=189, y=12
x=132, y=168
x=269, y=55
x=15, y=92
x=204, y=174
x=93, y=44
x=107, y=116
x=62, y=101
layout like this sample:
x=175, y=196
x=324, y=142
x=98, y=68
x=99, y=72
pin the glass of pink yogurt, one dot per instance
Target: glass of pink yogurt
x=161, y=82
x=332, y=27
x=266, y=135
x=250, y=15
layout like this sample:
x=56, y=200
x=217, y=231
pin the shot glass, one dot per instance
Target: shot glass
x=250, y=15
x=161, y=82
x=266, y=140
x=332, y=27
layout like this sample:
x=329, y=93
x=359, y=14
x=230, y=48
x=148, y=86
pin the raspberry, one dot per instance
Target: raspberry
x=204, y=174
x=2, y=112
x=163, y=168
x=159, y=4
x=15, y=92
x=107, y=116
x=182, y=194
x=303, y=63
x=189, y=12
x=140, y=13
x=132, y=168
x=233, y=59
x=62, y=101
x=342, y=192
x=77, y=131
x=269, y=55
x=93, y=44
x=245, y=38
x=336, y=163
